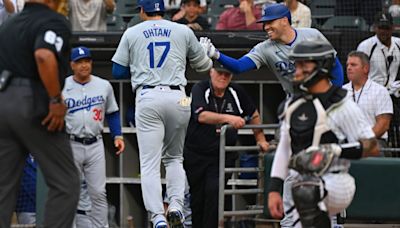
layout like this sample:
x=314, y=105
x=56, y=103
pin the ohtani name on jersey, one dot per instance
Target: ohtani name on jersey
x=157, y=32
x=75, y=105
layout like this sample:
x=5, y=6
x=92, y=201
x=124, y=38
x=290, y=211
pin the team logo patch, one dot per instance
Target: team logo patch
x=285, y=68
x=186, y=101
x=303, y=117
x=229, y=108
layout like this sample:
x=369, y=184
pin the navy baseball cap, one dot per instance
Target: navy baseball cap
x=150, y=6
x=80, y=53
x=275, y=11
x=220, y=68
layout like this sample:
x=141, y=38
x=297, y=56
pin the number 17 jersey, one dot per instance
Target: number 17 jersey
x=156, y=52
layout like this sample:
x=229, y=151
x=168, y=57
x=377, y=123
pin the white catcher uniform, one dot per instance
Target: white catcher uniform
x=348, y=123
x=275, y=55
x=156, y=52
x=87, y=106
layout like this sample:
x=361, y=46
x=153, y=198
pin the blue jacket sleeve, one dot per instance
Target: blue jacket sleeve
x=237, y=65
x=120, y=72
x=114, y=122
x=337, y=73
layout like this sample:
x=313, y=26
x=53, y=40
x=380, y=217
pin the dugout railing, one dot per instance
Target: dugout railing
x=256, y=209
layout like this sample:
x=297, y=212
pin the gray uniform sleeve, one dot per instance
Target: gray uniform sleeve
x=257, y=54
x=121, y=55
x=111, y=103
x=197, y=57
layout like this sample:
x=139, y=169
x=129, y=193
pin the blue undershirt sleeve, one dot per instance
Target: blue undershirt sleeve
x=237, y=65
x=337, y=73
x=120, y=72
x=114, y=122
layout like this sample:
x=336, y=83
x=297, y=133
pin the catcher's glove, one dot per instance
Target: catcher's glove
x=315, y=159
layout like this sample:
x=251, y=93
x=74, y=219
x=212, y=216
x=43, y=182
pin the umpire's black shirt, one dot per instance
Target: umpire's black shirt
x=204, y=138
x=37, y=26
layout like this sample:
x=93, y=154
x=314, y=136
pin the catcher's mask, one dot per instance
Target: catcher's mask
x=321, y=53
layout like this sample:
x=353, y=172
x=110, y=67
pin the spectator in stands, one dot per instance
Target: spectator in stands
x=26, y=201
x=243, y=17
x=7, y=7
x=383, y=50
x=215, y=102
x=301, y=14
x=371, y=97
x=192, y=17
x=394, y=9
x=174, y=8
x=90, y=15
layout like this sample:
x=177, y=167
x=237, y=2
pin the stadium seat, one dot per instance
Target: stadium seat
x=346, y=23
x=322, y=8
x=219, y=6
x=115, y=23
x=126, y=6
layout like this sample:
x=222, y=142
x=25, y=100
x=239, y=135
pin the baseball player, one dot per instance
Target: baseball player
x=89, y=100
x=154, y=53
x=274, y=51
x=315, y=124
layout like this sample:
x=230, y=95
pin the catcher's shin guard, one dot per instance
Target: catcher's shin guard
x=306, y=196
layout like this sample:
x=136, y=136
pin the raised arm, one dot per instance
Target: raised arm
x=235, y=65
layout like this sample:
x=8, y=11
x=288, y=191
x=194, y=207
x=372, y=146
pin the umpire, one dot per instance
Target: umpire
x=33, y=57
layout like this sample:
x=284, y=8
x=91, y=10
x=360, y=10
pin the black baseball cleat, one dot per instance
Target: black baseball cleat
x=175, y=218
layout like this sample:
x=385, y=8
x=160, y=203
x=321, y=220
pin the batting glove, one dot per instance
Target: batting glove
x=315, y=159
x=209, y=48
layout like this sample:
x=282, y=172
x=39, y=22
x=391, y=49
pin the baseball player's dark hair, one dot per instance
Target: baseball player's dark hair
x=153, y=14
x=361, y=55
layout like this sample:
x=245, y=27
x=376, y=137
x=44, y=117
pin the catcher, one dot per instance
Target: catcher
x=311, y=161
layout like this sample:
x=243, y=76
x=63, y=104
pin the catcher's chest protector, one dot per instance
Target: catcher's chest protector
x=308, y=124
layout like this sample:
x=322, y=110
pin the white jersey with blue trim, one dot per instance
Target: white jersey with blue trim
x=156, y=50
x=275, y=55
x=87, y=105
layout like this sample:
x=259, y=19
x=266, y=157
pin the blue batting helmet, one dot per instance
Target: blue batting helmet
x=275, y=11
x=151, y=5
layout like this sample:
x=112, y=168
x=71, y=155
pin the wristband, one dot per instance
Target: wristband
x=55, y=100
x=119, y=137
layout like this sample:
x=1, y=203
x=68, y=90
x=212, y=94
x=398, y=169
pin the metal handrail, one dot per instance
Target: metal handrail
x=223, y=149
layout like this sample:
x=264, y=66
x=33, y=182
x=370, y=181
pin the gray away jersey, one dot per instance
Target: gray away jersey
x=275, y=55
x=156, y=51
x=87, y=105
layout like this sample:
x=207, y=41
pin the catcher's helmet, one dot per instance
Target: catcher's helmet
x=321, y=52
x=275, y=11
x=150, y=6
